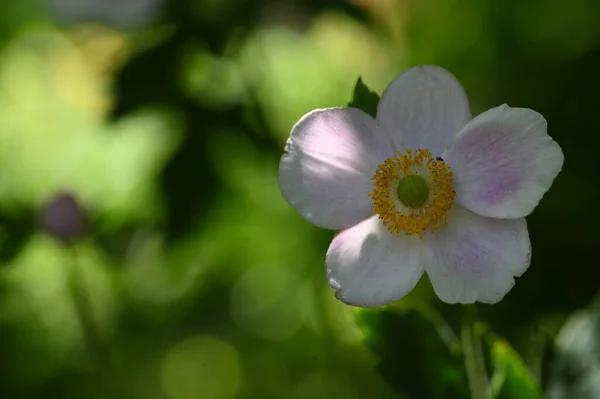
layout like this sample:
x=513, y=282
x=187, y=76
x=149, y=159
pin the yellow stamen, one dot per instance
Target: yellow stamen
x=397, y=216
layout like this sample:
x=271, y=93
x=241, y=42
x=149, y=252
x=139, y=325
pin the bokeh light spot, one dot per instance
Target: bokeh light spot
x=325, y=385
x=266, y=302
x=213, y=81
x=201, y=367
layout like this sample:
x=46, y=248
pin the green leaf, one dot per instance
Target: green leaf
x=364, y=99
x=417, y=351
x=420, y=355
x=511, y=378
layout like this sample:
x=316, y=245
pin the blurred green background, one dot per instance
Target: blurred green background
x=167, y=118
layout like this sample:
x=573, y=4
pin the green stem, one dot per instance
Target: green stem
x=473, y=354
x=95, y=345
x=83, y=308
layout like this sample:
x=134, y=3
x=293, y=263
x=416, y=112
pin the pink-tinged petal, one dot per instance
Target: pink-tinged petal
x=423, y=108
x=503, y=162
x=326, y=171
x=474, y=258
x=368, y=266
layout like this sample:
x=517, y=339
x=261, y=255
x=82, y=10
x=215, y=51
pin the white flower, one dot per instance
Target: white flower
x=423, y=187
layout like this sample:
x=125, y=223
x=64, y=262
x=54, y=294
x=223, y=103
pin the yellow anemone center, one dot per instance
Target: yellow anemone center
x=413, y=192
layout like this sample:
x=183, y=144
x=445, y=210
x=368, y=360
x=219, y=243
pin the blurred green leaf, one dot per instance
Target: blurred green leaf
x=16, y=229
x=364, y=98
x=511, y=378
x=413, y=357
x=575, y=370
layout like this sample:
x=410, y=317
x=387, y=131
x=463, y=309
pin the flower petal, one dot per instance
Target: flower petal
x=423, y=108
x=326, y=171
x=503, y=162
x=368, y=266
x=474, y=258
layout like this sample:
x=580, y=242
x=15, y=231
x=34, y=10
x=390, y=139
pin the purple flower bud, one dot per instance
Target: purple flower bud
x=63, y=218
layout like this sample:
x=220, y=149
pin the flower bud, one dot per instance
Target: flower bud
x=63, y=218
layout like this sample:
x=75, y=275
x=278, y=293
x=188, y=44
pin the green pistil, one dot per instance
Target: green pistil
x=413, y=191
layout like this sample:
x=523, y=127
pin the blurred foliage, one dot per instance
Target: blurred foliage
x=413, y=354
x=511, y=378
x=421, y=357
x=167, y=118
x=575, y=370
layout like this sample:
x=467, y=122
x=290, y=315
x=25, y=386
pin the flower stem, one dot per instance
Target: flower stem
x=83, y=308
x=473, y=354
x=95, y=345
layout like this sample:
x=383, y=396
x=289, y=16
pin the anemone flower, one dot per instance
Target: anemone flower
x=423, y=187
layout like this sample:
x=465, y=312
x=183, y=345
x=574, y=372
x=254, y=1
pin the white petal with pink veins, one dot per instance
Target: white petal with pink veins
x=474, y=258
x=368, y=266
x=326, y=171
x=503, y=162
x=424, y=107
